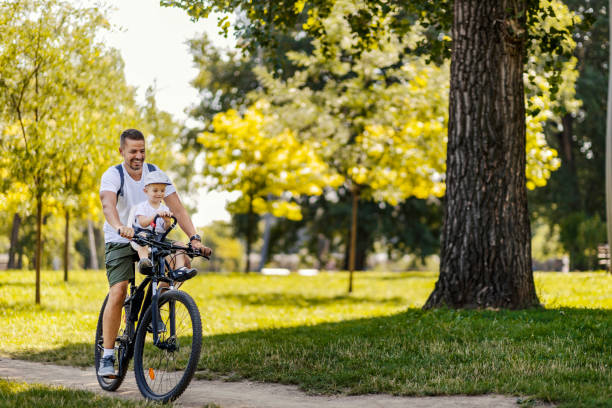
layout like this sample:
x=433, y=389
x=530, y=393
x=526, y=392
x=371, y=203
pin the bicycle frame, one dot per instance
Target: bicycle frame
x=138, y=302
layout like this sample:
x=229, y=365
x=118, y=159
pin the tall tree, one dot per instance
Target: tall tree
x=55, y=113
x=268, y=169
x=486, y=258
x=486, y=250
x=574, y=198
x=372, y=116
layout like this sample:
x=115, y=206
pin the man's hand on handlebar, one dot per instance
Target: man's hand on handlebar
x=198, y=246
x=125, y=232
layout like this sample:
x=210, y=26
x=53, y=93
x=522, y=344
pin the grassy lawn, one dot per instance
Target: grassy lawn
x=19, y=395
x=308, y=331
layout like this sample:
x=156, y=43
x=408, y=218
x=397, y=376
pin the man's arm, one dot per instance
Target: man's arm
x=109, y=208
x=184, y=220
x=180, y=212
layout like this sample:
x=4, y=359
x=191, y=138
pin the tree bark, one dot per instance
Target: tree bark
x=355, y=195
x=248, y=237
x=66, y=243
x=609, y=150
x=93, y=253
x=39, y=206
x=568, y=163
x=12, y=261
x=266, y=242
x=486, y=239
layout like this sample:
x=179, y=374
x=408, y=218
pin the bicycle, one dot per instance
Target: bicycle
x=163, y=332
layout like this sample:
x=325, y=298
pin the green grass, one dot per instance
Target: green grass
x=308, y=331
x=19, y=395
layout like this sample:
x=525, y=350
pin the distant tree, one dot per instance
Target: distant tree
x=268, y=169
x=63, y=100
x=42, y=56
x=575, y=194
x=410, y=227
x=375, y=118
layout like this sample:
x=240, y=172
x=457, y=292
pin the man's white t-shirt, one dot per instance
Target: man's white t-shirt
x=145, y=209
x=133, y=193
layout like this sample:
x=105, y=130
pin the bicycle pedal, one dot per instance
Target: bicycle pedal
x=111, y=376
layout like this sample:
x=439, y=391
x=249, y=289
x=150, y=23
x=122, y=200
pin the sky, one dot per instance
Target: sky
x=152, y=41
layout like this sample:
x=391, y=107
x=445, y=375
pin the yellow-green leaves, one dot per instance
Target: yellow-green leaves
x=378, y=119
x=267, y=168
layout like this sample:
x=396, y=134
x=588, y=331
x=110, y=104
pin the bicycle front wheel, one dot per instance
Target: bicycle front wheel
x=163, y=371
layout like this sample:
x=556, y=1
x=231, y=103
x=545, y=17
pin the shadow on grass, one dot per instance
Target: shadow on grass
x=18, y=395
x=27, y=306
x=559, y=355
x=284, y=299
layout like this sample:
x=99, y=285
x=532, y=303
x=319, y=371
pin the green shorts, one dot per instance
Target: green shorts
x=119, y=259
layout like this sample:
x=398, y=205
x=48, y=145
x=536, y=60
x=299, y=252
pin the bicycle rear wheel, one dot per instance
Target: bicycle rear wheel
x=164, y=371
x=121, y=351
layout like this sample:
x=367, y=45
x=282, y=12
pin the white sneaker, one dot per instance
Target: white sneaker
x=107, y=367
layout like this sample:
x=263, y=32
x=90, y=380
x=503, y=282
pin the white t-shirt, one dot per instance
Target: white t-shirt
x=145, y=209
x=133, y=193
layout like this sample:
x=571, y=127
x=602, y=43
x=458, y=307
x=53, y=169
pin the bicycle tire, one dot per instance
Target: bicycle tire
x=153, y=365
x=108, y=384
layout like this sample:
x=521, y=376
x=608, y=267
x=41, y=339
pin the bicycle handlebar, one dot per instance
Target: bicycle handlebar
x=157, y=240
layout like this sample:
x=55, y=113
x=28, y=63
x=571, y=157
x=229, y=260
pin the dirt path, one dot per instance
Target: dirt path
x=239, y=394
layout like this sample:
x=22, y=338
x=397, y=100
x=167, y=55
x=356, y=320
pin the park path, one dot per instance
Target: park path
x=244, y=394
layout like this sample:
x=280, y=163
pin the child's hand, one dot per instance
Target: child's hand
x=164, y=213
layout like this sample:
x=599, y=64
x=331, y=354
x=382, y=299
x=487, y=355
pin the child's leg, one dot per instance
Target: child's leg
x=143, y=252
x=179, y=259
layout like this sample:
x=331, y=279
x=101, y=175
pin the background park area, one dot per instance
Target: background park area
x=443, y=195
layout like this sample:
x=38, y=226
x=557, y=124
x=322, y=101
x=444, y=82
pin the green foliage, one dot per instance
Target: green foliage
x=371, y=118
x=64, y=101
x=369, y=21
x=380, y=118
x=267, y=168
x=545, y=242
x=575, y=193
x=223, y=81
x=410, y=227
x=228, y=251
x=581, y=235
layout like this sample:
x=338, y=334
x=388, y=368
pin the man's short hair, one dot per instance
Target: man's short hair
x=132, y=134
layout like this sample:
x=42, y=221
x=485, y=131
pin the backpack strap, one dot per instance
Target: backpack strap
x=119, y=167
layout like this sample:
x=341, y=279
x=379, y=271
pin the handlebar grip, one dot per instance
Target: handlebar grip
x=174, y=220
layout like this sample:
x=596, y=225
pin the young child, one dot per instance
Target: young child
x=144, y=213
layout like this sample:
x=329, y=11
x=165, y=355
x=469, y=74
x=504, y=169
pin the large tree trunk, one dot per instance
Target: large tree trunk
x=486, y=249
x=93, y=253
x=66, y=243
x=12, y=261
x=38, y=245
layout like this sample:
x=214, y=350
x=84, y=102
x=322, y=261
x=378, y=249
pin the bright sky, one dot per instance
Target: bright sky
x=152, y=40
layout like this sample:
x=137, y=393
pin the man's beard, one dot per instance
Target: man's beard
x=130, y=165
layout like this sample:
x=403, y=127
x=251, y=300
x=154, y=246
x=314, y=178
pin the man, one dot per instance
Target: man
x=122, y=187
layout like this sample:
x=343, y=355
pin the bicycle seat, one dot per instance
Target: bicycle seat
x=182, y=274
